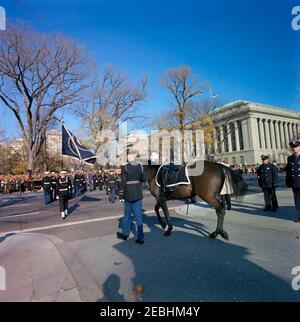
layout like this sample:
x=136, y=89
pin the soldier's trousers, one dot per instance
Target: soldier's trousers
x=136, y=208
x=270, y=198
x=63, y=201
x=296, y=193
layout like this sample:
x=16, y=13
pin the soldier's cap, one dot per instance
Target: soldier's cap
x=63, y=172
x=294, y=144
x=264, y=157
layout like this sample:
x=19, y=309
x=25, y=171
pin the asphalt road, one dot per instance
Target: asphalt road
x=254, y=265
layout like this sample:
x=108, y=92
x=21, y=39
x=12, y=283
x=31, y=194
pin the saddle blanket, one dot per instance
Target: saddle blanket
x=172, y=176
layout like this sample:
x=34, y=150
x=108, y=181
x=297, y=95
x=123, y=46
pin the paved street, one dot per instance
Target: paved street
x=80, y=259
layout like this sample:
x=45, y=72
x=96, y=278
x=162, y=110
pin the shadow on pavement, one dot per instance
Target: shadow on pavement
x=110, y=289
x=189, y=266
x=87, y=198
x=2, y=238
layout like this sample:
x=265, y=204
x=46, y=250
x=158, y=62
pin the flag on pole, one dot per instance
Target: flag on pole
x=73, y=148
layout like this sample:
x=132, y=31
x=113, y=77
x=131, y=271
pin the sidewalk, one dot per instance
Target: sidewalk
x=37, y=271
x=249, y=212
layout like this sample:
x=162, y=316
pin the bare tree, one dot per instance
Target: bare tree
x=185, y=89
x=115, y=100
x=39, y=74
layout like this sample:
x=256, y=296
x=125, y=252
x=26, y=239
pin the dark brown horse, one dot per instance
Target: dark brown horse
x=206, y=185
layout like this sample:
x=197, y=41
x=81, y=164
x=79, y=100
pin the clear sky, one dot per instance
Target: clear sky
x=246, y=49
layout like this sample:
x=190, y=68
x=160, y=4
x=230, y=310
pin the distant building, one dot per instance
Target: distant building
x=244, y=130
x=53, y=142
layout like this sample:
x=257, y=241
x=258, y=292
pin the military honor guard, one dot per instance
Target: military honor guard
x=54, y=195
x=63, y=193
x=267, y=180
x=293, y=174
x=47, y=187
x=112, y=185
x=132, y=175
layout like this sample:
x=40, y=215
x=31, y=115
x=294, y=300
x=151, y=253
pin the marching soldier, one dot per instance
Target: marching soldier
x=46, y=183
x=293, y=174
x=77, y=183
x=100, y=178
x=267, y=180
x=132, y=175
x=54, y=195
x=63, y=193
x=112, y=187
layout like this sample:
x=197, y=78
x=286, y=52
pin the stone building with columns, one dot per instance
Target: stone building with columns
x=244, y=130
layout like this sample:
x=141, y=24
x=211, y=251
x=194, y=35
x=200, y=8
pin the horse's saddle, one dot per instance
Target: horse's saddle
x=170, y=175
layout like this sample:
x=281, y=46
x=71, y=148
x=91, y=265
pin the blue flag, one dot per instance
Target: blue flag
x=73, y=148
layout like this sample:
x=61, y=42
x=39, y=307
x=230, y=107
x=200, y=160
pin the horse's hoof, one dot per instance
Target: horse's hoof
x=213, y=235
x=225, y=235
x=163, y=225
x=167, y=233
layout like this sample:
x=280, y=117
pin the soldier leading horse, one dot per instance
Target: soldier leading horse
x=207, y=186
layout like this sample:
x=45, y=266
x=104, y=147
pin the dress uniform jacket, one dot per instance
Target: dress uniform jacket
x=293, y=172
x=267, y=176
x=112, y=181
x=132, y=175
x=47, y=183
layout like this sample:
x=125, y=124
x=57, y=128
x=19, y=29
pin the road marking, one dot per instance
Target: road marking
x=24, y=204
x=70, y=223
x=21, y=215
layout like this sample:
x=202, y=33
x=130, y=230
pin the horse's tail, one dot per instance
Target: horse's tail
x=237, y=182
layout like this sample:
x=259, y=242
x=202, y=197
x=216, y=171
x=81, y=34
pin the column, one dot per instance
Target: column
x=273, y=140
x=262, y=134
x=215, y=140
x=254, y=133
x=267, y=131
x=280, y=134
x=293, y=131
x=290, y=131
x=245, y=131
x=221, y=139
x=237, y=137
x=277, y=135
x=229, y=137
x=287, y=139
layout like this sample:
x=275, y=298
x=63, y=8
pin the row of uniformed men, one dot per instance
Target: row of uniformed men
x=267, y=179
x=64, y=186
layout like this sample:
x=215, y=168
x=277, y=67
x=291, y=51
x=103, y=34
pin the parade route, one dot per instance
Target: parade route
x=80, y=259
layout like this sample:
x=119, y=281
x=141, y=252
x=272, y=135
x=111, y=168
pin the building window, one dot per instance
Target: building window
x=242, y=159
x=233, y=160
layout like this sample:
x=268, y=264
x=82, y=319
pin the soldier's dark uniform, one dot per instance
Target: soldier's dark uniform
x=100, y=178
x=267, y=180
x=293, y=176
x=132, y=175
x=47, y=186
x=63, y=193
x=112, y=187
x=77, y=183
x=54, y=187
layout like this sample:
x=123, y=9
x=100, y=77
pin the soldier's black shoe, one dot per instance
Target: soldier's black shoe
x=139, y=241
x=297, y=220
x=121, y=236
